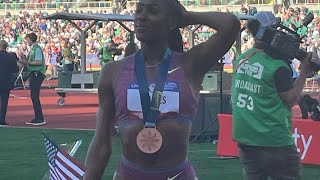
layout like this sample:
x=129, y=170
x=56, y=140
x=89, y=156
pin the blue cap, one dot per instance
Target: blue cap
x=266, y=18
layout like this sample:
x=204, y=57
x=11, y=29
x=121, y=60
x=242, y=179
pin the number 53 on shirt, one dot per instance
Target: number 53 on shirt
x=245, y=101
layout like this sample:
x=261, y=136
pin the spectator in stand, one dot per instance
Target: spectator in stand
x=68, y=57
x=243, y=9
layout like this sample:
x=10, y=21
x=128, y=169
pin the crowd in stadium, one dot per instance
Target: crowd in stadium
x=53, y=34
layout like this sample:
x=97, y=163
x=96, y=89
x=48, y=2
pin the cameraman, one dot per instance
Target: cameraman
x=262, y=94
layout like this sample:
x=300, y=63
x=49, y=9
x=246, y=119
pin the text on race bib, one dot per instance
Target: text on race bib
x=169, y=101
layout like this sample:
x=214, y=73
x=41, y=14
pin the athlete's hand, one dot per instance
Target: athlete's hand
x=183, y=18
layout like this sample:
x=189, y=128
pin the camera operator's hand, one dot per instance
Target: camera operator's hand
x=306, y=66
x=291, y=96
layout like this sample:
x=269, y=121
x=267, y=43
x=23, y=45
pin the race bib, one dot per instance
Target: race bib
x=169, y=101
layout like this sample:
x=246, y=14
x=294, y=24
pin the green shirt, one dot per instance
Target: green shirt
x=67, y=53
x=36, y=54
x=297, y=24
x=302, y=30
x=105, y=56
x=260, y=118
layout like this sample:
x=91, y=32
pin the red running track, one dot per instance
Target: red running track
x=79, y=111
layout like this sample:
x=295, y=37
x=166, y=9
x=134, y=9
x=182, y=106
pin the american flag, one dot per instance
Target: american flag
x=61, y=165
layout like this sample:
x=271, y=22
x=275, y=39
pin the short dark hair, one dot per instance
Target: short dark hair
x=253, y=26
x=3, y=44
x=32, y=36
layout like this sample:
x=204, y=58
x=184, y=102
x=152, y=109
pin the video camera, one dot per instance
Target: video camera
x=113, y=50
x=280, y=41
x=308, y=105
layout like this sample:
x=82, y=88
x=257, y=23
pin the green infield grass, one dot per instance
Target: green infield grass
x=22, y=155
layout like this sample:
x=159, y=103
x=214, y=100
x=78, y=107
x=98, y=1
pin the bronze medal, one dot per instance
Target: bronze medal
x=149, y=140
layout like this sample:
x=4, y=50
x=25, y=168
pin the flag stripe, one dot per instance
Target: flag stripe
x=66, y=171
x=68, y=168
x=54, y=171
x=79, y=165
x=60, y=174
x=62, y=166
x=53, y=176
x=70, y=163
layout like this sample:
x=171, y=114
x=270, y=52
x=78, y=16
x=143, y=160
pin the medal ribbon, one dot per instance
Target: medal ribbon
x=150, y=110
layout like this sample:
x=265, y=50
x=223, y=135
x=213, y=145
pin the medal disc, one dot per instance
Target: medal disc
x=149, y=140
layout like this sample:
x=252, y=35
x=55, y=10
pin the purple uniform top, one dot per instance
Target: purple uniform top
x=177, y=102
